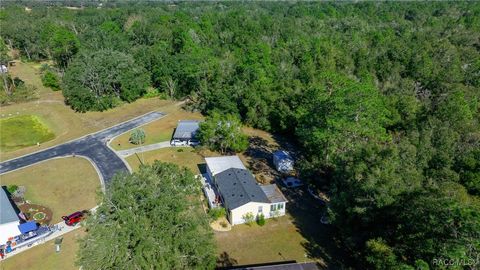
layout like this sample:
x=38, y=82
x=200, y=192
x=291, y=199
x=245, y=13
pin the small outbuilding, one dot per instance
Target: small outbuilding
x=185, y=133
x=283, y=161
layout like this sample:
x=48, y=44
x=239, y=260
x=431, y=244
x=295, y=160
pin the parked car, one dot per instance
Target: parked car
x=178, y=143
x=292, y=182
x=73, y=219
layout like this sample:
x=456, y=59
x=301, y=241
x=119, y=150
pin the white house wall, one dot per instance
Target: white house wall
x=236, y=215
x=8, y=230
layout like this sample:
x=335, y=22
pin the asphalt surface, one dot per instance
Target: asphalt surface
x=93, y=146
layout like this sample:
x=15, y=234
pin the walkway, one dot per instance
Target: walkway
x=93, y=147
x=150, y=147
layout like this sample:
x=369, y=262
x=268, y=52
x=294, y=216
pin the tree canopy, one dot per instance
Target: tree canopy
x=381, y=98
x=223, y=133
x=101, y=79
x=151, y=219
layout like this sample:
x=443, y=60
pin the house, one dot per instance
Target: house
x=240, y=193
x=185, y=133
x=283, y=161
x=9, y=220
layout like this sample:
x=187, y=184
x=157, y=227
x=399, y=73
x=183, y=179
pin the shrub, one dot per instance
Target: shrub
x=50, y=79
x=137, y=136
x=261, y=220
x=216, y=213
x=248, y=218
x=223, y=224
x=12, y=188
x=180, y=150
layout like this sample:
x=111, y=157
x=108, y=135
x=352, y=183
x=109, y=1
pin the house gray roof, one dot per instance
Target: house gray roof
x=223, y=163
x=186, y=129
x=238, y=187
x=7, y=212
x=273, y=194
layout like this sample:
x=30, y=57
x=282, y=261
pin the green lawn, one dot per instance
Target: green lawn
x=182, y=156
x=21, y=131
x=64, y=185
x=277, y=240
x=44, y=257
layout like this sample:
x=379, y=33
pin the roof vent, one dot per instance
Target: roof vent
x=229, y=174
x=233, y=195
x=241, y=195
x=234, y=184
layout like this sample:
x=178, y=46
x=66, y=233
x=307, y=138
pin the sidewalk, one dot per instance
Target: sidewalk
x=150, y=147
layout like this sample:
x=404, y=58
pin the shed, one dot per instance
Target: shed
x=186, y=130
x=283, y=161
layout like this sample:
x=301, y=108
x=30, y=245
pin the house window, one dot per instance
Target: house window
x=280, y=206
x=273, y=207
x=260, y=209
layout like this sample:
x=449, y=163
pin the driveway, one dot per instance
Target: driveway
x=93, y=147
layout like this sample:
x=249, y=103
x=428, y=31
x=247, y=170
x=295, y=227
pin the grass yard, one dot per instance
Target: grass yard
x=21, y=131
x=182, y=156
x=65, y=123
x=277, y=240
x=55, y=185
x=157, y=131
x=44, y=257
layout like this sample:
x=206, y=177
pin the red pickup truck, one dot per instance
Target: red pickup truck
x=73, y=219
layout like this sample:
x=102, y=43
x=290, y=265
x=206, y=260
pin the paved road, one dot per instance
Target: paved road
x=92, y=146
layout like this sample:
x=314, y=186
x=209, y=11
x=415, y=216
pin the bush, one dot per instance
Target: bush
x=50, y=79
x=248, y=218
x=216, y=213
x=137, y=136
x=223, y=224
x=261, y=220
x=12, y=188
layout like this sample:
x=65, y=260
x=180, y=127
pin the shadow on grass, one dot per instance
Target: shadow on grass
x=224, y=260
x=321, y=242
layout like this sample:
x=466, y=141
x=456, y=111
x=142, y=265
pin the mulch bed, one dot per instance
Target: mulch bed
x=37, y=213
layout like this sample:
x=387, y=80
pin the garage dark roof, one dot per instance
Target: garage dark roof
x=7, y=212
x=238, y=187
x=186, y=129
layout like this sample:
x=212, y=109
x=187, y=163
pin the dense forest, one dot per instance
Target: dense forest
x=382, y=99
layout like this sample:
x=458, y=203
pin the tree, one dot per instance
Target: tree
x=338, y=115
x=137, y=136
x=64, y=45
x=223, y=133
x=100, y=80
x=151, y=219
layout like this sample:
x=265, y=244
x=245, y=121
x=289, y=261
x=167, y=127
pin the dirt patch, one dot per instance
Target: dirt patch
x=37, y=213
x=221, y=225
